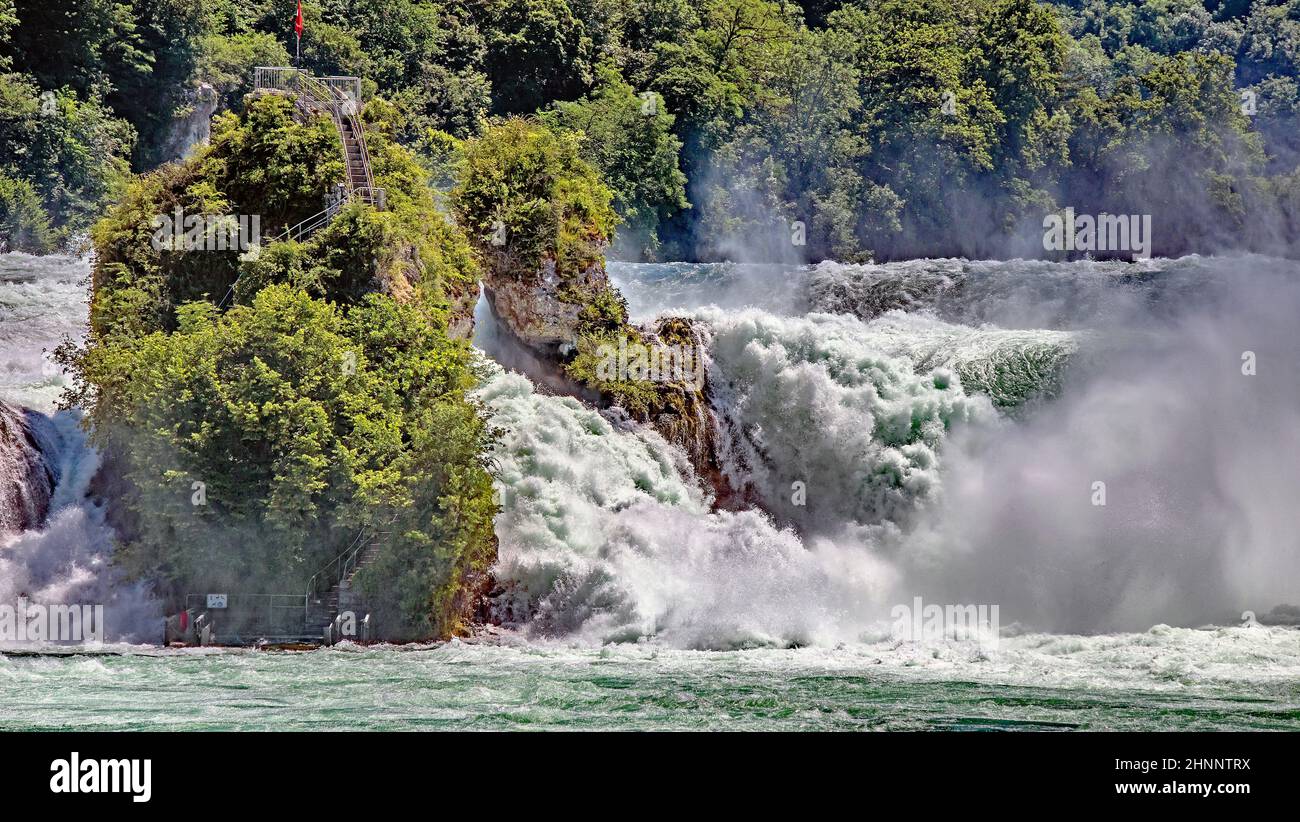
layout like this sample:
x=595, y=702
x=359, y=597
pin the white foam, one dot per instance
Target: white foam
x=42, y=301
x=601, y=539
x=69, y=560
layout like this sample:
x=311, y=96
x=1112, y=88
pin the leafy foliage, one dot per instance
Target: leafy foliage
x=632, y=143
x=326, y=405
x=890, y=128
x=23, y=224
x=71, y=153
x=529, y=185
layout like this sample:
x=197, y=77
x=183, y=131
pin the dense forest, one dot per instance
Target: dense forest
x=726, y=129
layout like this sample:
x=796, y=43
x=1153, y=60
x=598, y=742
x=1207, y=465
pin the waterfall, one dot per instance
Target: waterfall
x=55, y=546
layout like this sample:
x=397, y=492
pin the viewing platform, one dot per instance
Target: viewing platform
x=320, y=615
x=340, y=99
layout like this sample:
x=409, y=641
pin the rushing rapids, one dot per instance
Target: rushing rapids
x=930, y=428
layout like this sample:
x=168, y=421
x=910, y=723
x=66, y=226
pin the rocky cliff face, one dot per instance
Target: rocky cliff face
x=460, y=323
x=193, y=127
x=539, y=307
x=398, y=273
x=28, y=468
x=544, y=313
x=539, y=220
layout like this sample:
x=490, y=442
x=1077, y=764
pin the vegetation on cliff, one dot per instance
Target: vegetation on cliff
x=629, y=138
x=325, y=400
x=327, y=404
x=539, y=218
x=536, y=212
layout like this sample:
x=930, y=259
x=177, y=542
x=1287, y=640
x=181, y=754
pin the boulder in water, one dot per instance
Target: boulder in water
x=28, y=472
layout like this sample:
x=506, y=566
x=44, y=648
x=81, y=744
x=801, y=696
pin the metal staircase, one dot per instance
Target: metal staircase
x=339, y=98
x=325, y=611
x=329, y=611
x=316, y=615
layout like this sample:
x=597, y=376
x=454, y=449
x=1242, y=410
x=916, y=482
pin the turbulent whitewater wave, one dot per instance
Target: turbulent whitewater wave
x=655, y=288
x=1193, y=429
x=847, y=410
x=1016, y=294
x=838, y=426
x=1159, y=404
x=67, y=561
x=1035, y=294
x=933, y=428
x=42, y=300
x=1239, y=679
x=603, y=538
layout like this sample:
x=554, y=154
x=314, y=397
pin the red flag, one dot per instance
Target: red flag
x=297, y=21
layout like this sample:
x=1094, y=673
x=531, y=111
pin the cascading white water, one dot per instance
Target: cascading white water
x=66, y=559
x=857, y=412
x=1191, y=419
x=603, y=540
x=948, y=421
x=42, y=301
x=1133, y=377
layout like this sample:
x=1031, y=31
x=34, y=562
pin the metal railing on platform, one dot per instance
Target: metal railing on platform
x=348, y=86
x=276, y=78
x=253, y=615
x=340, y=97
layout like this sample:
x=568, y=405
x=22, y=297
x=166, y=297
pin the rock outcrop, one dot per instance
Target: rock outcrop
x=539, y=221
x=460, y=319
x=539, y=307
x=547, y=315
x=28, y=468
x=192, y=128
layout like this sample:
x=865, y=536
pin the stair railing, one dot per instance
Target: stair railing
x=334, y=98
x=313, y=94
x=353, y=560
x=349, y=563
x=332, y=94
x=346, y=563
x=296, y=232
x=358, y=541
x=346, y=86
x=365, y=151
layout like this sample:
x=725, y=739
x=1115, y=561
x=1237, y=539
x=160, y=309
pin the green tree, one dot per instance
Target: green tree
x=1171, y=142
x=227, y=62
x=537, y=51
x=8, y=21
x=629, y=138
x=72, y=153
x=24, y=225
x=304, y=407
x=529, y=185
